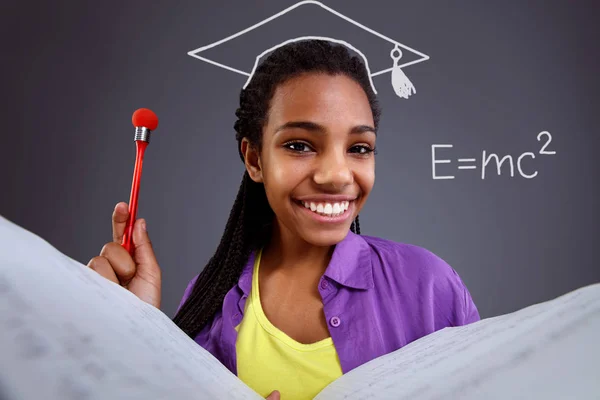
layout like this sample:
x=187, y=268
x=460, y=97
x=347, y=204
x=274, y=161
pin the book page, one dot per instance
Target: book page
x=67, y=333
x=546, y=351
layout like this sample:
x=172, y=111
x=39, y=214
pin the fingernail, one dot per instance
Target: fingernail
x=144, y=226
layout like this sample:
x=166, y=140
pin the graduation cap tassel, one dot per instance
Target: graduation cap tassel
x=402, y=85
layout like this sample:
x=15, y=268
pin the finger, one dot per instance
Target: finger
x=119, y=220
x=147, y=265
x=274, y=395
x=120, y=261
x=102, y=266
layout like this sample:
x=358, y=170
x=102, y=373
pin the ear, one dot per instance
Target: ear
x=252, y=161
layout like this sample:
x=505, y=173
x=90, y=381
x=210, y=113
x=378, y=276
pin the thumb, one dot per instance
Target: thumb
x=275, y=395
x=144, y=253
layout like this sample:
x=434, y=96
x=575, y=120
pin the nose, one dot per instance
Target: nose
x=333, y=171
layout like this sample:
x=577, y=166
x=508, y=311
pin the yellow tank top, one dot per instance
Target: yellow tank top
x=268, y=359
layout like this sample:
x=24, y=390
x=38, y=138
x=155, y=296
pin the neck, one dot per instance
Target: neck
x=289, y=253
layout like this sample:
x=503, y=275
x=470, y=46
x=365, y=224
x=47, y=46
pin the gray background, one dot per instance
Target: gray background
x=500, y=72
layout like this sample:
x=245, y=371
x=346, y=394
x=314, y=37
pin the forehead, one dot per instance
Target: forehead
x=320, y=98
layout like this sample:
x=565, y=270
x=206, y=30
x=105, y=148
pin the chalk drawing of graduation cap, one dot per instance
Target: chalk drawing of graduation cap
x=308, y=20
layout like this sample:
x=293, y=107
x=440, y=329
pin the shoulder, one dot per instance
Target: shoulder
x=408, y=271
x=409, y=259
x=187, y=292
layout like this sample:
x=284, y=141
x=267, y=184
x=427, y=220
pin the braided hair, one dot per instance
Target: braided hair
x=250, y=222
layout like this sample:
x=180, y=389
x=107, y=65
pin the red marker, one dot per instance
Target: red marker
x=144, y=121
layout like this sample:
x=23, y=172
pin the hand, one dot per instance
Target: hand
x=141, y=274
x=275, y=395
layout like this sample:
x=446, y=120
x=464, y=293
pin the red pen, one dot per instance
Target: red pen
x=144, y=121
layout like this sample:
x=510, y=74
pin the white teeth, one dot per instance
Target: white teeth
x=328, y=209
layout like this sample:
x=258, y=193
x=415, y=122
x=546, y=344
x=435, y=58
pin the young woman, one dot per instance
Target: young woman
x=294, y=296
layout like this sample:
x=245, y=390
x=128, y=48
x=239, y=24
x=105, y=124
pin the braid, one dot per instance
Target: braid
x=251, y=218
x=244, y=232
x=212, y=281
x=355, y=227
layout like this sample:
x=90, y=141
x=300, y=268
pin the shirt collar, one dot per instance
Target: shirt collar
x=245, y=281
x=350, y=265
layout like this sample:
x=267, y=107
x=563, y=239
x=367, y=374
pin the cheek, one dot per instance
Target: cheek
x=364, y=176
x=280, y=178
x=277, y=177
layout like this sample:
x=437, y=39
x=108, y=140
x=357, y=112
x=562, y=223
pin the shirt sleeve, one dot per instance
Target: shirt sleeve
x=186, y=293
x=470, y=314
x=453, y=298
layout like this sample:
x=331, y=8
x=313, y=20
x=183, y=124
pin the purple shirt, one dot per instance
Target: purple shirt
x=378, y=296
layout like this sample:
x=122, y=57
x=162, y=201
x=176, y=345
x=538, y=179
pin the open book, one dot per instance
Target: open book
x=67, y=333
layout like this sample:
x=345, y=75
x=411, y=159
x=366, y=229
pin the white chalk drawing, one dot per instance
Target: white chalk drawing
x=400, y=82
x=486, y=159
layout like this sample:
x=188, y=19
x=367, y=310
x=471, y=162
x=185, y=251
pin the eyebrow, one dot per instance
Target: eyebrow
x=317, y=128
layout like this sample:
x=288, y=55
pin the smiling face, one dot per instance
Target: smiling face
x=316, y=162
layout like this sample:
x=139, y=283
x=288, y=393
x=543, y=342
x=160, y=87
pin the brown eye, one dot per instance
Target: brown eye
x=299, y=147
x=361, y=149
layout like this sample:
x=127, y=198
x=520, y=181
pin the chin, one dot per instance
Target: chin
x=325, y=237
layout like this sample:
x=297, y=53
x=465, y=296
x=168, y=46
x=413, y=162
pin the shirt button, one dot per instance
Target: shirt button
x=324, y=284
x=335, y=322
